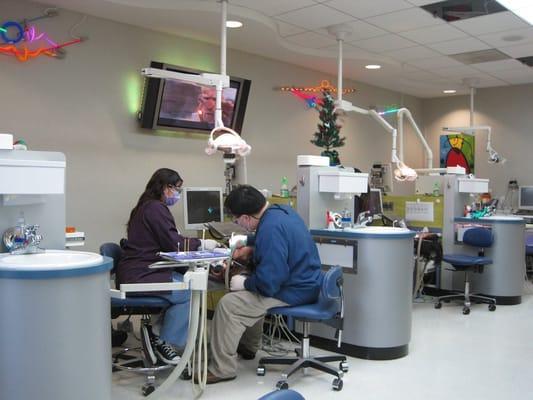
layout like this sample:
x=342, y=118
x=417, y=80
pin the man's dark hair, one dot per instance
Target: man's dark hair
x=245, y=199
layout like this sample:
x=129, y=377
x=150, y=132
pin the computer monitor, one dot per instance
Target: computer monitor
x=525, y=198
x=375, y=204
x=202, y=205
x=370, y=201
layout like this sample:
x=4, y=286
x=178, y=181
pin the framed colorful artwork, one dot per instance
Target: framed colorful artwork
x=458, y=150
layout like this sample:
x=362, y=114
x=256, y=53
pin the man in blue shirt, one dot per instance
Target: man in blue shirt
x=287, y=272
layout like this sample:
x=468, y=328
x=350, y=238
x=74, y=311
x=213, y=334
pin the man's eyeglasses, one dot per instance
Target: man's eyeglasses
x=205, y=98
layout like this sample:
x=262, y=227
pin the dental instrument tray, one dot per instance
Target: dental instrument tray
x=185, y=257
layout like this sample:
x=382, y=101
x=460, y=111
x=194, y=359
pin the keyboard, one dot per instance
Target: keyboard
x=524, y=212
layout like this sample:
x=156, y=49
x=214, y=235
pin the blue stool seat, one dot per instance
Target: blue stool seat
x=463, y=260
x=308, y=312
x=140, y=302
x=282, y=395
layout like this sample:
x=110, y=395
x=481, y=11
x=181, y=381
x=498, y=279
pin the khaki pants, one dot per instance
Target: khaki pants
x=238, y=318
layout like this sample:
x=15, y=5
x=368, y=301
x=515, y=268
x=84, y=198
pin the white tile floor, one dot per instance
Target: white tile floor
x=485, y=355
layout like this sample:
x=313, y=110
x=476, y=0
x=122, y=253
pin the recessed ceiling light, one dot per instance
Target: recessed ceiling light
x=449, y=91
x=512, y=38
x=233, y=24
x=372, y=66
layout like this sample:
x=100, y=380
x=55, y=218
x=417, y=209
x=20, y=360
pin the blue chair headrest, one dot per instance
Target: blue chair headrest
x=112, y=250
x=478, y=237
x=330, y=287
x=287, y=394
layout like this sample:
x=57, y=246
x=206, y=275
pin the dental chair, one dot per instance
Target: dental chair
x=481, y=238
x=145, y=306
x=329, y=309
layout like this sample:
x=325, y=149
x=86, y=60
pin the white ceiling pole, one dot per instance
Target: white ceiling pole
x=339, y=71
x=472, y=91
x=218, y=111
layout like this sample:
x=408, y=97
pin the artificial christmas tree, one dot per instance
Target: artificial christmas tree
x=327, y=135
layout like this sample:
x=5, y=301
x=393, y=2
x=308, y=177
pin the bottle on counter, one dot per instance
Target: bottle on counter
x=18, y=238
x=284, y=190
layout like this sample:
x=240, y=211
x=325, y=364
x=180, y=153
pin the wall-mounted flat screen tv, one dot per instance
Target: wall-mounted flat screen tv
x=182, y=105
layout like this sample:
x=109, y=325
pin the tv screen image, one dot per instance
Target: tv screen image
x=525, y=198
x=202, y=205
x=182, y=105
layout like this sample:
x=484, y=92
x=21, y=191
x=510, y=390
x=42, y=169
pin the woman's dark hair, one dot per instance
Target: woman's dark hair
x=245, y=199
x=161, y=179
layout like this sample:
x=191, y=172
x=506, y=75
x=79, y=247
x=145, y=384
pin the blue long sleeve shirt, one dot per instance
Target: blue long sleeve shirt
x=286, y=258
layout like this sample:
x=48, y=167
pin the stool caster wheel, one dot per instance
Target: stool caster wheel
x=492, y=307
x=260, y=371
x=337, y=384
x=282, y=385
x=438, y=305
x=343, y=366
x=147, y=389
x=466, y=310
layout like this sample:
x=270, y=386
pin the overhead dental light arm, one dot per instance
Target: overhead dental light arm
x=405, y=112
x=494, y=157
x=402, y=171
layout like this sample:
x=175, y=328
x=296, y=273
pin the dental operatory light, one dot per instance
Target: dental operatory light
x=221, y=138
x=521, y=8
x=373, y=66
x=402, y=172
x=233, y=24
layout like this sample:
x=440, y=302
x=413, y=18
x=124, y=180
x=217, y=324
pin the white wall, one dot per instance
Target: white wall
x=85, y=106
x=508, y=111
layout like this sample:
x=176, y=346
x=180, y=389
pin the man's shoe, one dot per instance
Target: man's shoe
x=147, y=338
x=212, y=378
x=245, y=353
x=166, y=353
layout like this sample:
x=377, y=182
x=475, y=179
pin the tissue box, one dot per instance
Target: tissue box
x=6, y=141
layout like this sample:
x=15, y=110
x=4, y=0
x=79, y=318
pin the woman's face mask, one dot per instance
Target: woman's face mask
x=170, y=201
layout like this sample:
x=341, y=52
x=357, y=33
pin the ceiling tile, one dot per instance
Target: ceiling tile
x=412, y=53
x=368, y=8
x=524, y=50
x=435, y=62
x=315, y=17
x=421, y=2
x=384, y=43
x=508, y=38
x=360, y=30
x=459, y=46
x=498, y=65
x=434, y=34
x=311, y=40
x=502, y=21
x=273, y=7
x=461, y=71
x=285, y=29
x=405, y=20
x=489, y=81
x=514, y=75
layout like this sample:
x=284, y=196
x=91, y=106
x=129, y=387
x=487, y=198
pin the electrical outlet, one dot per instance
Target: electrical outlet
x=125, y=326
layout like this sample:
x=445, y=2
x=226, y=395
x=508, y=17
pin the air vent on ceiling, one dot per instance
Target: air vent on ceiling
x=455, y=10
x=526, y=60
x=478, y=57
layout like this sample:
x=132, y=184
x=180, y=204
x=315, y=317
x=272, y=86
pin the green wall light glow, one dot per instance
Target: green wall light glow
x=133, y=91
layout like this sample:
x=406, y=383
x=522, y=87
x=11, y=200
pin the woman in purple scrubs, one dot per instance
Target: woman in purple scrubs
x=151, y=229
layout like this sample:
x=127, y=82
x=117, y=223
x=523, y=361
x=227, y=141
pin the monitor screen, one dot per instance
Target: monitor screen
x=202, y=205
x=370, y=201
x=525, y=198
x=178, y=104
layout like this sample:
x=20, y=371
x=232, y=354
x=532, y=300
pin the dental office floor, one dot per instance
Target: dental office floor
x=485, y=355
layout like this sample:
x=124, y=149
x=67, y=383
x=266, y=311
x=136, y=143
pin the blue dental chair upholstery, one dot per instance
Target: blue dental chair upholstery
x=475, y=237
x=282, y=395
x=134, y=305
x=329, y=309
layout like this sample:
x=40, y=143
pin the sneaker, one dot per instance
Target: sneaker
x=166, y=353
x=147, y=338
